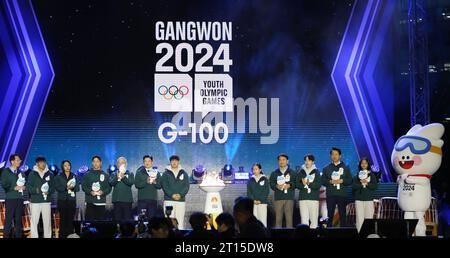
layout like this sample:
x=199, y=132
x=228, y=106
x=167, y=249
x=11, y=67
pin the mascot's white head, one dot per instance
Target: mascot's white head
x=419, y=151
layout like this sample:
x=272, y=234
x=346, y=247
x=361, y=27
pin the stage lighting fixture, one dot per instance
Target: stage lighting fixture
x=228, y=170
x=376, y=171
x=82, y=170
x=23, y=168
x=53, y=169
x=241, y=176
x=198, y=172
x=227, y=173
x=155, y=168
x=112, y=169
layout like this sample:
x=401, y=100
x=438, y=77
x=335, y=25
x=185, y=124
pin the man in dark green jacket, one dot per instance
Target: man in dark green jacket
x=335, y=177
x=40, y=185
x=13, y=182
x=67, y=185
x=147, y=181
x=175, y=185
x=96, y=187
x=308, y=184
x=122, y=197
x=282, y=182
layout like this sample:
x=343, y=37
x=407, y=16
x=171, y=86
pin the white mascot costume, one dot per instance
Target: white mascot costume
x=416, y=157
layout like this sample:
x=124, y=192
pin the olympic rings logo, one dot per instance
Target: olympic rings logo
x=173, y=91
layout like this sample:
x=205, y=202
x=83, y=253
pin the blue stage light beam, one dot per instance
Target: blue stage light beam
x=110, y=151
x=232, y=145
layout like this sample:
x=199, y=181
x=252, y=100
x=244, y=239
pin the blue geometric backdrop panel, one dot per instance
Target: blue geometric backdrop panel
x=25, y=78
x=361, y=82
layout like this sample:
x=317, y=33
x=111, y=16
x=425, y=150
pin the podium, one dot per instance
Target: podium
x=388, y=228
x=213, y=203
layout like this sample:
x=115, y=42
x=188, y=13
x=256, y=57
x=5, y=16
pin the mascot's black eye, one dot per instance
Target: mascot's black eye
x=407, y=157
x=403, y=157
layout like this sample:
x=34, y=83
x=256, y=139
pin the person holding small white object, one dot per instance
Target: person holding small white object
x=122, y=197
x=13, y=183
x=282, y=182
x=40, y=185
x=364, y=186
x=258, y=190
x=309, y=183
x=66, y=184
x=96, y=187
x=335, y=177
x=175, y=185
x=147, y=181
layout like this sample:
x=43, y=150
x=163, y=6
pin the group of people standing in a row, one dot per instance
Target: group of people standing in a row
x=335, y=177
x=41, y=183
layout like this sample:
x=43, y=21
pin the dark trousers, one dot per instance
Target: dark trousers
x=95, y=212
x=341, y=202
x=122, y=211
x=13, y=211
x=149, y=205
x=66, y=210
